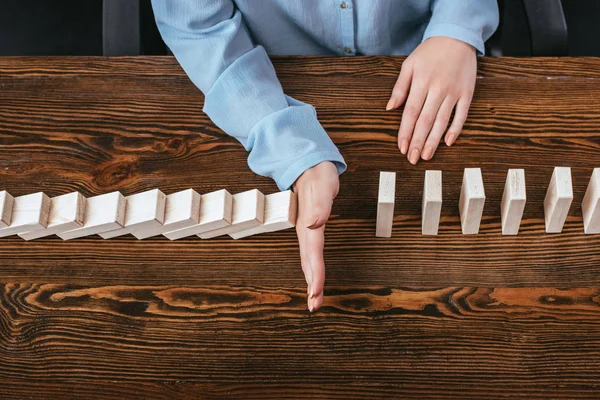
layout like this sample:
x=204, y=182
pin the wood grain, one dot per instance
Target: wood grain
x=428, y=317
x=211, y=337
x=156, y=66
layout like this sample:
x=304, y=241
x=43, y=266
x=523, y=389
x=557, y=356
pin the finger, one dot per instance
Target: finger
x=400, y=90
x=301, y=232
x=315, y=241
x=424, y=124
x=460, y=116
x=317, y=199
x=411, y=112
x=439, y=127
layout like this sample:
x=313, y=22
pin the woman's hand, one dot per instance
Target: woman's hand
x=438, y=77
x=316, y=188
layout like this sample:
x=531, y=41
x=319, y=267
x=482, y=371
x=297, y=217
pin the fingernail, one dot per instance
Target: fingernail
x=390, y=105
x=403, y=146
x=427, y=153
x=414, y=156
x=450, y=139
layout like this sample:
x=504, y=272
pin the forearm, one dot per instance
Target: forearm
x=242, y=93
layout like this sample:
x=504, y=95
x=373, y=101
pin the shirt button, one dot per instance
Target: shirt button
x=343, y=4
x=348, y=50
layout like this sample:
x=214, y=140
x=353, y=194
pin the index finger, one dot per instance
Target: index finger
x=314, y=243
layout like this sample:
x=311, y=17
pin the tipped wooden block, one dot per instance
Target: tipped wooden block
x=30, y=212
x=558, y=199
x=103, y=213
x=248, y=212
x=280, y=214
x=215, y=212
x=513, y=201
x=66, y=213
x=385, y=204
x=471, y=202
x=182, y=210
x=6, y=208
x=590, y=206
x=431, y=205
x=144, y=210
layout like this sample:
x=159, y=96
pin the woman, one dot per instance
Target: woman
x=223, y=46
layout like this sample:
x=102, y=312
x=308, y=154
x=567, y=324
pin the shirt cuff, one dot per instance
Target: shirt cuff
x=294, y=171
x=456, y=32
x=288, y=142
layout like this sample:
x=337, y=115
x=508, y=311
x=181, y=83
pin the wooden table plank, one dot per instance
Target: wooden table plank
x=100, y=133
x=416, y=316
x=158, y=66
x=530, y=338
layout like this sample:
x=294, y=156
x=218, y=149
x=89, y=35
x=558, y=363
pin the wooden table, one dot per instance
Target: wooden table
x=452, y=316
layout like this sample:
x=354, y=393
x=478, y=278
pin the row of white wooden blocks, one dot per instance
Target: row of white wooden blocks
x=147, y=214
x=472, y=199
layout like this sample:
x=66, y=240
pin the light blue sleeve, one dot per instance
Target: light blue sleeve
x=243, y=96
x=472, y=21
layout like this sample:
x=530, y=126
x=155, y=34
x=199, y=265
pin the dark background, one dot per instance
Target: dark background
x=65, y=27
x=74, y=27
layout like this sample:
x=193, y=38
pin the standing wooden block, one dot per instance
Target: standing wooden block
x=558, y=199
x=385, y=204
x=30, y=212
x=471, y=202
x=181, y=211
x=215, y=212
x=513, y=201
x=248, y=212
x=66, y=213
x=590, y=206
x=431, y=206
x=280, y=214
x=6, y=208
x=103, y=213
x=143, y=211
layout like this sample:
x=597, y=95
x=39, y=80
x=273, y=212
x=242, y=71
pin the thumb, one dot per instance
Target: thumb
x=400, y=91
x=319, y=201
x=319, y=213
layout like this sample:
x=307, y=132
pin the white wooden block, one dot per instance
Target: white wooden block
x=142, y=211
x=431, y=205
x=215, y=212
x=182, y=210
x=590, y=206
x=472, y=200
x=513, y=201
x=280, y=214
x=558, y=199
x=385, y=204
x=30, y=212
x=66, y=213
x=103, y=213
x=6, y=208
x=248, y=212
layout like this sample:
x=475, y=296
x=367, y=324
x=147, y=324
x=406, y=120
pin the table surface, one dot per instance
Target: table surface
x=452, y=316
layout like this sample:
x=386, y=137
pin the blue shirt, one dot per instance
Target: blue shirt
x=223, y=44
